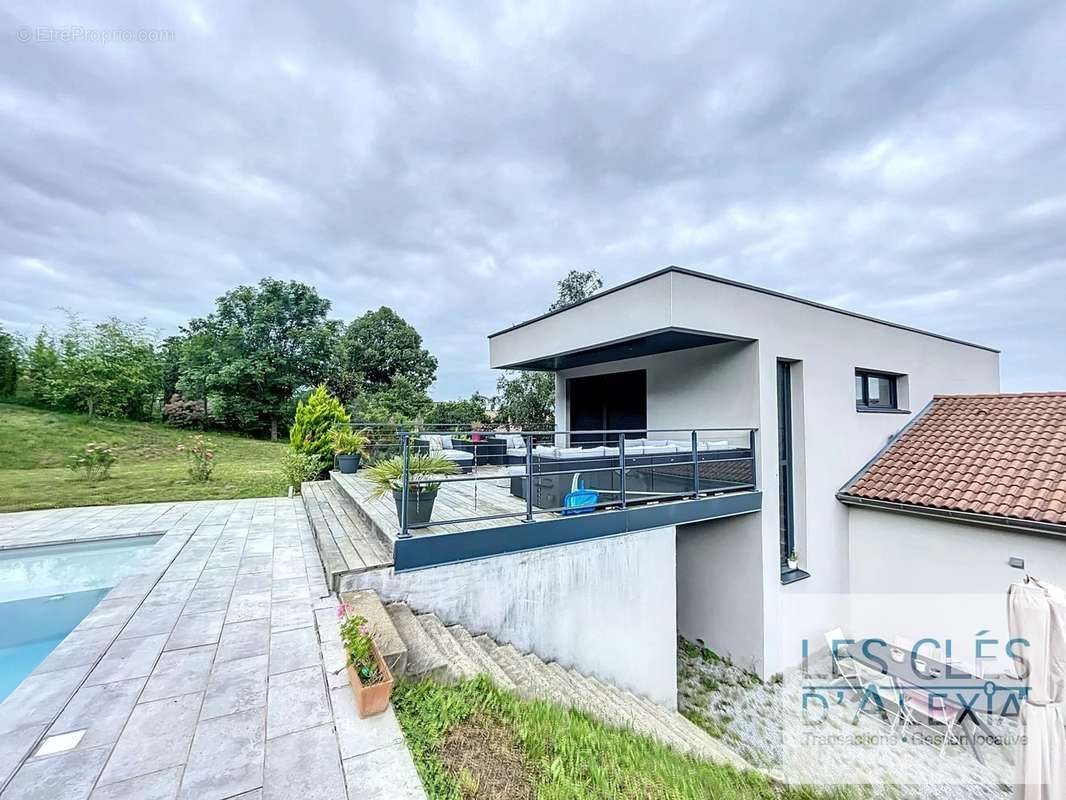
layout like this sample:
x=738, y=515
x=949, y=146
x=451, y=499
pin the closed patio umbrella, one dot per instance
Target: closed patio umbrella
x=1036, y=612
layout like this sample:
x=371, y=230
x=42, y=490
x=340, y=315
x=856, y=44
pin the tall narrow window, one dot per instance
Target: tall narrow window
x=784, y=459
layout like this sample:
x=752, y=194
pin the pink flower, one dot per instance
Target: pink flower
x=342, y=611
x=364, y=629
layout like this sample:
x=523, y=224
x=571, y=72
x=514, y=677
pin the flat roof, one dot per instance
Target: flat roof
x=749, y=287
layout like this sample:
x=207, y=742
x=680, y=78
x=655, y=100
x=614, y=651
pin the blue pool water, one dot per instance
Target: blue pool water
x=46, y=591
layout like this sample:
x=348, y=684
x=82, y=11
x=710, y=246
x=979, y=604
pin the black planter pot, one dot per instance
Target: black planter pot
x=419, y=505
x=348, y=463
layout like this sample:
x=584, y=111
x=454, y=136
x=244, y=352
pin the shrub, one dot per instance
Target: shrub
x=300, y=467
x=200, y=454
x=387, y=475
x=344, y=441
x=359, y=646
x=316, y=417
x=94, y=462
x=182, y=413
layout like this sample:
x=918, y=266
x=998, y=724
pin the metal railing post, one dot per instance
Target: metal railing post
x=754, y=461
x=529, y=478
x=405, y=488
x=622, y=467
x=695, y=465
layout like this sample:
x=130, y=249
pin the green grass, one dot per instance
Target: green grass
x=34, y=444
x=569, y=755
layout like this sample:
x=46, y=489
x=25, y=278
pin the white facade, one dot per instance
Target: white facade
x=598, y=606
x=729, y=589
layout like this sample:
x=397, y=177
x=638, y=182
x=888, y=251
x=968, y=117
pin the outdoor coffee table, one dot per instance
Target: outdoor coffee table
x=974, y=697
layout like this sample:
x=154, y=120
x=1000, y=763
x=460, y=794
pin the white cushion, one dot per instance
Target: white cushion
x=543, y=450
x=516, y=470
x=457, y=455
x=434, y=442
x=446, y=442
x=516, y=451
x=575, y=452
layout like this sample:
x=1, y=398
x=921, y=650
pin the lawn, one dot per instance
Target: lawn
x=474, y=741
x=35, y=443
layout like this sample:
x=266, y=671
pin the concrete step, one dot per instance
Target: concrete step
x=459, y=665
x=485, y=664
x=550, y=688
x=366, y=604
x=511, y=661
x=424, y=658
x=581, y=698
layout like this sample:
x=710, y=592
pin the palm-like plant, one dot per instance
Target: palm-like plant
x=387, y=475
x=345, y=441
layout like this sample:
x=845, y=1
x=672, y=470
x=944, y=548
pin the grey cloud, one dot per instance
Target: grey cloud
x=899, y=159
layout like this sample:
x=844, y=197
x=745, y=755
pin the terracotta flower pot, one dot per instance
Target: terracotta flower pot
x=371, y=700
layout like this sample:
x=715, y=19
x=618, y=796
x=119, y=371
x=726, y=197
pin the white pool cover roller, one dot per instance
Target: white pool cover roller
x=1036, y=613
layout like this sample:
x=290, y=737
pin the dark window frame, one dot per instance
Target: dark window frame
x=863, y=403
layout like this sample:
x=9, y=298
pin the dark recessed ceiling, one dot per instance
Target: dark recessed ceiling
x=659, y=342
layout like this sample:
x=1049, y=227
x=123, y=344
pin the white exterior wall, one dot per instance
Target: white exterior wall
x=833, y=440
x=604, y=607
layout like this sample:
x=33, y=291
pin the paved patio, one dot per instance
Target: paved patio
x=213, y=671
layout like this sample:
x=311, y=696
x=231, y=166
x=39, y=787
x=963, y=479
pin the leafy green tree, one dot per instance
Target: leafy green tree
x=398, y=402
x=316, y=417
x=10, y=362
x=377, y=349
x=460, y=414
x=578, y=285
x=111, y=369
x=259, y=347
x=170, y=355
x=526, y=400
x=41, y=362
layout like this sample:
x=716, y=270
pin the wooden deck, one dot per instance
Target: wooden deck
x=345, y=542
x=489, y=495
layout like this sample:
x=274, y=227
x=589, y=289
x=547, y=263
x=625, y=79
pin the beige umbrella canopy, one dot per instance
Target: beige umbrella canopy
x=1036, y=613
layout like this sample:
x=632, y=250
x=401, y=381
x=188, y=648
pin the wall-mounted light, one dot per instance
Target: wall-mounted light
x=1017, y=563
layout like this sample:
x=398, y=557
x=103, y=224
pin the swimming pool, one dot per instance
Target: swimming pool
x=46, y=591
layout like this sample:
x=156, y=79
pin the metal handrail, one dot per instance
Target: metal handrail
x=625, y=463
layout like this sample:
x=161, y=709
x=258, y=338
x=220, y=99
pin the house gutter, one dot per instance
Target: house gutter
x=969, y=517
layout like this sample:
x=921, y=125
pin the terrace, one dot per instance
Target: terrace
x=525, y=490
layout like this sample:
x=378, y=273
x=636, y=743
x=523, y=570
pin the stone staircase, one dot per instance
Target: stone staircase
x=449, y=653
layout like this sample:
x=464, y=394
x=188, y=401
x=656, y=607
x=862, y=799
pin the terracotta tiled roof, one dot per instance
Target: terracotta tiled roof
x=995, y=454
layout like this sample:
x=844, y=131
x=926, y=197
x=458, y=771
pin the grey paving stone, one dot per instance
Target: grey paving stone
x=249, y=583
x=243, y=607
x=128, y=658
x=157, y=735
x=293, y=649
x=304, y=765
x=244, y=639
x=358, y=736
x=81, y=646
x=289, y=569
x=161, y=785
x=169, y=592
x=236, y=686
x=101, y=711
x=15, y=745
x=66, y=776
x=179, y=672
x=256, y=564
x=195, y=630
x=217, y=576
x=226, y=757
x=296, y=700
x=208, y=598
x=110, y=611
x=289, y=589
x=39, y=698
x=291, y=614
x=150, y=620
x=386, y=774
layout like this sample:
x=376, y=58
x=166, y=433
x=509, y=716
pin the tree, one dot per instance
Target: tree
x=399, y=402
x=261, y=345
x=170, y=353
x=41, y=362
x=578, y=285
x=459, y=414
x=10, y=362
x=375, y=350
x=316, y=417
x=527, y=399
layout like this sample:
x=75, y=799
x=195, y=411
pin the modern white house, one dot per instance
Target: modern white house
x=710, y=425
x=824, y=388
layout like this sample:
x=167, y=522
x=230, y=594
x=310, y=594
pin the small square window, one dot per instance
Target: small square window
x=875, y=391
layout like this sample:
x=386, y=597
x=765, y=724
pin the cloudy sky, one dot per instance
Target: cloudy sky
x=905, y=160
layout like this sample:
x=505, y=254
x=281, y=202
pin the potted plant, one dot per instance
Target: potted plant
x=368, y=673
x=387, y=476
x=475, y=431
x=793, y=560
x=349, y=447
